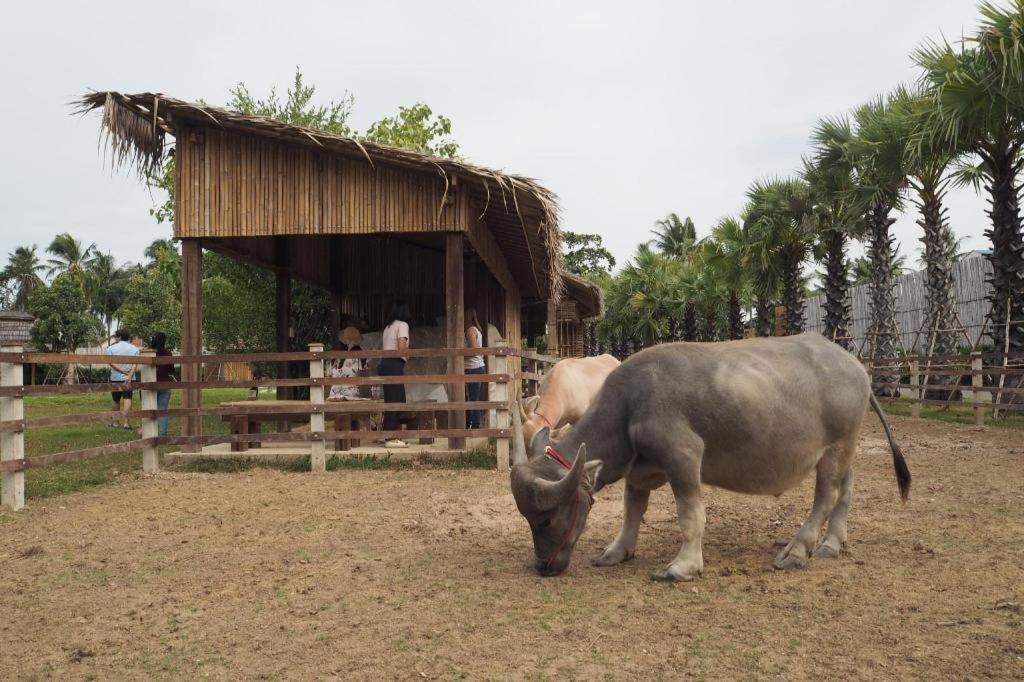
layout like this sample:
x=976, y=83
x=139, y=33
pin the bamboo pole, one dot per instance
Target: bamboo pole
x=977, y=383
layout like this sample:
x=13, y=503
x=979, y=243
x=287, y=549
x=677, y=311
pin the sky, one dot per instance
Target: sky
x=628, y=111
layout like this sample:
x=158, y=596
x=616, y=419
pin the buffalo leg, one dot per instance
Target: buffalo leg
x=831, y=471
x=684, y=477
x=835, y=536
x=639, y=484
x=623, y=547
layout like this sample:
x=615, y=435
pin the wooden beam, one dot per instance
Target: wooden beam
x=191, y=328
x=455, y=327
x=552, y=328
x=282, y=309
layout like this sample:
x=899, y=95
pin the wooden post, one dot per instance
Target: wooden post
x=191, y=333
x=282, y=310
x=317, y=447
x=336, y=286
x=552, y=328
x=500, y=365
x=12, y=443
x=456, y=329
x=977, y=383
x=150, y=453
x=916, y=393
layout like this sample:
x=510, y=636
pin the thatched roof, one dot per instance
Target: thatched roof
x=134, y=130
x=588, y=296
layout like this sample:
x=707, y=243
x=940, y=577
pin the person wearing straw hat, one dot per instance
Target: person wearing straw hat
x=351, y=340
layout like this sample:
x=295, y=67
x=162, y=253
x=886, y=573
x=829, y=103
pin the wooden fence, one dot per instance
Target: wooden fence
x=994, y=381
x=970, y=292
x=504, y=373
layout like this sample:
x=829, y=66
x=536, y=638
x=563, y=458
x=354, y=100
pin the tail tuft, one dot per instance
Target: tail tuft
x=902, y=473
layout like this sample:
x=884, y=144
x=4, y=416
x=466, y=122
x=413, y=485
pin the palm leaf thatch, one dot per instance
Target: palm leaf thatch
x=134, y=127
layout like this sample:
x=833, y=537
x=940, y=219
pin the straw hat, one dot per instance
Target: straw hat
x=351, y=336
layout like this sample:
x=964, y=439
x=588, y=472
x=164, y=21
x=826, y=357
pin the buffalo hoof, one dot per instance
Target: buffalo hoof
x=667, y=576
x=827, y=551
x=787, y=561
x=611, y=557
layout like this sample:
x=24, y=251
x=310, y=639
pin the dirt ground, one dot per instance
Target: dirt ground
x=419, y=574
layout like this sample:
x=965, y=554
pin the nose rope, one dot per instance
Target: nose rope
x=550, y=426
x=555, y=455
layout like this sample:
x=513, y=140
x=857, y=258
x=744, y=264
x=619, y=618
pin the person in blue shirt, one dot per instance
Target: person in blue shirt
x=122, y=373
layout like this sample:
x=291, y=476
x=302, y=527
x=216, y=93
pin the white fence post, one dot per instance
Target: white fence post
x=12, y=443
x=502, y=417
x=317, y=447
x=916, y=394
x=977, y=384
x=150, y=452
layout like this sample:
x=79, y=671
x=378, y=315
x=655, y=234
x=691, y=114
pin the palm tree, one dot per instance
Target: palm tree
x=68, y=255
x=863, y=272
x=929, y=175
x=675, y=237
x=978, y=107
x=878, y=153
x=106, y=285
x=779, y=223
x=641, y=298
x=726, y=255
x=829, y=175
x=22, y=270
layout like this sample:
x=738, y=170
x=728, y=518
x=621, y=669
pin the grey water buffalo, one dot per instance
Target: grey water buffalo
x=566, y=392
x=753, y=416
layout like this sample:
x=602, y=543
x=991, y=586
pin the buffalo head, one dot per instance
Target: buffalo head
x=555, y=501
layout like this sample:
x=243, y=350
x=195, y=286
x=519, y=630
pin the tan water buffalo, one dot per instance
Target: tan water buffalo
x=565, y=393
x=753, y=416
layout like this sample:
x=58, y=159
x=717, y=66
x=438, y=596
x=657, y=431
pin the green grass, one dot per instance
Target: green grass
x=74, y=476
x=954, y=415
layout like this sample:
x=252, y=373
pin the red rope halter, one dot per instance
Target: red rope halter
x=555, y=455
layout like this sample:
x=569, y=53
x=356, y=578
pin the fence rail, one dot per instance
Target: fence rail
x=995, y=381
x=505, y=369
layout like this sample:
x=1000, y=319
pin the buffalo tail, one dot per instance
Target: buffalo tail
x=898, y=462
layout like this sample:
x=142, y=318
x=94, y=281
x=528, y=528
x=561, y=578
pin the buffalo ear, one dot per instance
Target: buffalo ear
x=541, y=440
x=559, y=433
x=590, y=470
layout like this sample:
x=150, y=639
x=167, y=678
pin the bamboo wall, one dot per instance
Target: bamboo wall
x=232, y=185
x=971, y=291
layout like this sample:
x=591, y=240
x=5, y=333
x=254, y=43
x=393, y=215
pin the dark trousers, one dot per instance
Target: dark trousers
x=393, y=393
x=472, y=395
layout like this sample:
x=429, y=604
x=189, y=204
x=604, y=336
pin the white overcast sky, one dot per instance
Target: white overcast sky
x=627, y=110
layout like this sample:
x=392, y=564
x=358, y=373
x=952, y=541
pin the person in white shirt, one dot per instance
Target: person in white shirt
x=395, y=337
x=474, y=365
x=122, y=373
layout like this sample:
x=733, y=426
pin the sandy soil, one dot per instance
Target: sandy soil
x=425, y=574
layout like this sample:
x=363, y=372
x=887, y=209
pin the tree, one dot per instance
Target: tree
x=298, y=108
x=977, y=95
x=878, y=153
x=69, y=255
x=238, y=306
x=106, y=285
x=585, y=255
x=725, y=256
x=640, y=300
x=22, y=273
x=152, y=298
x=675, y=237
x=862, y=271
x=416, y=128
x=64, y=322
x=779, y=224
x=829, y=176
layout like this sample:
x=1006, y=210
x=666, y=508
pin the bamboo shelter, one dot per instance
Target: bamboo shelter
x=367, y=223
x=582, y=302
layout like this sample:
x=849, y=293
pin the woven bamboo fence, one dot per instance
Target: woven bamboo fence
x=971, y=292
